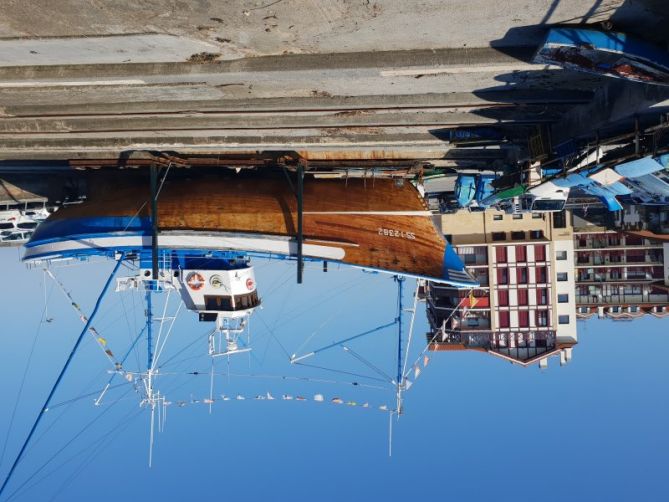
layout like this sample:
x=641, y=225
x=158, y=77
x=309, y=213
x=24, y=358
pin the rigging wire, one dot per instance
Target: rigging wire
x=127, y=321
x=433, y=339
x=25, y=373
x=103, y=442
x=60, y=376
x=286, y=377
x=62, y=448
x=371, y=366
x=343, y=372
x=84, y=396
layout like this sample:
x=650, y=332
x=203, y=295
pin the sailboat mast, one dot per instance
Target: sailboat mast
x=400, y=291
x=149, y=330
x=154, y=222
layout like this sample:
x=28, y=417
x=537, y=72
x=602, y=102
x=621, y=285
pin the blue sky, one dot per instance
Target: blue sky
x=475, y=427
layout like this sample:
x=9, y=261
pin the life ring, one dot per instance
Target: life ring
x=250, y=284
x=195, y=281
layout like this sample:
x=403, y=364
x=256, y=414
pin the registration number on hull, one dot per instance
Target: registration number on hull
x=389, y=232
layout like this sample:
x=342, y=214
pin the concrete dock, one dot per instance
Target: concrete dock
x=341, y=79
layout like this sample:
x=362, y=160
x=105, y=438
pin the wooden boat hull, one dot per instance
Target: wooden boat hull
x=378, y=225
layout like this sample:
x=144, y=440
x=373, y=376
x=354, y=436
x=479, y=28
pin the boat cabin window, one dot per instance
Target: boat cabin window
x=27, y=225
x=218, y=302
x=5, y=226
x=226, y=303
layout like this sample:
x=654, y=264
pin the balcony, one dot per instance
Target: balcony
x=616, y=261
x=613, y=243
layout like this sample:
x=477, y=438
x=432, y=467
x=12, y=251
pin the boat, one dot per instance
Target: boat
x=382, y=226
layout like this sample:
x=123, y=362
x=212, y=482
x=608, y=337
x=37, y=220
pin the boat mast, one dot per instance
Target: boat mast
x=399, y=380
x=300, y=217
x=45, y=407
x=149, y=314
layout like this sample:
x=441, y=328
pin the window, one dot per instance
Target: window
x=542, y=296
x=539, y=252
x=518, y=236
x=521, y=275
x=502, y=276
x=537, y=216
x=541, y=275
x=536, y=234
x=498, y=236
x=503, y=297
x=563, y=319
x=563, y=298
x=498, y=217
x=522, y=297
x=562, y=276
x=503, y=319
x=560, y=219
x=523, y=318
x=561, y=255
x=521, y=254
x=517, y=216
x=500, y=253
x=541, y=318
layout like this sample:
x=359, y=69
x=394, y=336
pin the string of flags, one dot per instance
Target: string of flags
x=102, y=342
x=316, y=398
x=416, y=369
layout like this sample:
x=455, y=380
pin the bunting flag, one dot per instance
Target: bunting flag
x=407, y=384
x=317, y=398
x=426, y=360
x=416, y=371
x=472, y=299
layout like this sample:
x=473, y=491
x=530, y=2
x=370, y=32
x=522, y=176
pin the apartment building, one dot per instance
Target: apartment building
x=525, y=310
x=620, y=275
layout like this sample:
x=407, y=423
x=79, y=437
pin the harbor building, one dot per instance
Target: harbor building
x=620, y=275
x=525, y=309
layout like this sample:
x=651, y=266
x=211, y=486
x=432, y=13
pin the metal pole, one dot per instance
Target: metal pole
x=45, y=407
x=300, y=211
x=149, y=331
x=413, y=317
x=154, y=222
x=400, y=283
x=400, y=382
